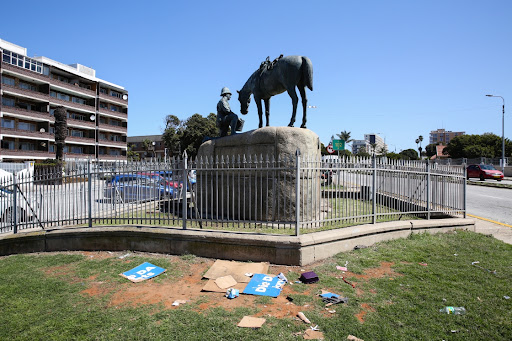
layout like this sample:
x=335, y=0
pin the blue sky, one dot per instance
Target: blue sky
x=397, y=68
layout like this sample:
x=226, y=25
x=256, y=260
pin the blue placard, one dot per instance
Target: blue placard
x=264, y=285
x=142, y=272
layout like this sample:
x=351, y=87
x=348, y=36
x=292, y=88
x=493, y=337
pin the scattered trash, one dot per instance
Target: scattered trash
x=282, y=277
x=332, y=311
x=334, y=300
x=309, y=277
x=232, y=293
x=237, y=270
x=314, y=328
x=353, y=338
x=289, y=298
x=178, y=302
x=298, y=282
x=142, y=272
x=303, y=317
x=341, y=268
x=225, y=282
x=506, y=297
x=249, y=274
x=313, y=335
x=124, y=256
x=357, y=247
x=478, y=266
x=344, y=280
x=423, y=264
x=251, y=322
x=264, y=285
x=478, y=298
x=444, y=299
x=455, y=254
x=454, y=330
x=211, y=286
x=453, y=310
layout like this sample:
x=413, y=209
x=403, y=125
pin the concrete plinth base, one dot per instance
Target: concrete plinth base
x=252, y=176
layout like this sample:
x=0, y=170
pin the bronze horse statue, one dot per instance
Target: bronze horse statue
x=273, y=78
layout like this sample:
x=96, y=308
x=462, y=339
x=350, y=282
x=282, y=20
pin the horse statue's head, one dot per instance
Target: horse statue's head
x=244, y=97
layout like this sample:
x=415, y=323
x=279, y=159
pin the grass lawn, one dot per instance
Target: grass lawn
x=80, y=295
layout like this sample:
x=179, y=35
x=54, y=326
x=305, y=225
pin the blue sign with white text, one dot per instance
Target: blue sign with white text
x=142, y=272
x=264, y=285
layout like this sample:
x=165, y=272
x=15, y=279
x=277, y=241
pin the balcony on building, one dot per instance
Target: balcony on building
x=24, y=108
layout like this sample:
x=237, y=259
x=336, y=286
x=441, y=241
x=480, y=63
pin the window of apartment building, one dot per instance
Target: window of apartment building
x=104, y=91
x=77, y=150
x=84, y=86
x=8, y=80
x=77, y=133
x=27, y=146
x=27, y=126
x=115, y=138
x=22, y=61
x=52, y=130
x=78, y=100
x=103, y=120
x=8, y=102
x=7, y=123
x=76, y=116
x=61, y=78
x=53, y=94
x=26, y=106
x=116, y=94
x=7, y=144
x=51, y=148
x=102, y=136
x=63, y=97
x=103, y=105
x=115, y=108
x=28, y=86
x=115, y=152
x=115, y=123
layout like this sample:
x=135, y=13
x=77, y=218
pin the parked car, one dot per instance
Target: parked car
x=25, y=210
x=326, y=177
x=484, y=172
x=140, y=187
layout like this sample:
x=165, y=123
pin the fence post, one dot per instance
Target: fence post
x=428, y=190
x=374, y=190
x=184, y=190
x=297, y=192
x=89, y=193
x=15, y=203
x=464, y=193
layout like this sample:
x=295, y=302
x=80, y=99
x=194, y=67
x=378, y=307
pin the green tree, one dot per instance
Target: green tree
x=474, y=146
x=362, y=152
x=431, y=150
x=131, y=154
x=196, y=128
x=172, y=135
x=409, y=154
x=148, y=148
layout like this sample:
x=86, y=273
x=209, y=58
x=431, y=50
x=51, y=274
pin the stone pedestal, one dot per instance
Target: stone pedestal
x=252, y=176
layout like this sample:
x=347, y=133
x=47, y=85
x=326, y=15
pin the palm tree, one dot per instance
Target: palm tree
x=61, y=131
x=418, y=143
x=345, y=136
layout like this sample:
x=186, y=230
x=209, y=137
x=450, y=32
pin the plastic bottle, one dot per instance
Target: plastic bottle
x=453, y=310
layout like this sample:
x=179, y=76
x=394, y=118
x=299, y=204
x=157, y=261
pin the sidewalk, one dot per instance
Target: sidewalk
x=498, y=231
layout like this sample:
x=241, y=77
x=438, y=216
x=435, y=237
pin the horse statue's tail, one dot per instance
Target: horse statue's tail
x=307, y=72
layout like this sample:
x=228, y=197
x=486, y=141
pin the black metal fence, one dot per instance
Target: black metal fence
x=289, y=195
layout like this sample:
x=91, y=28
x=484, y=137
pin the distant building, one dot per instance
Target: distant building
x=30, y=91
x=156, y=149
x=367, y=143
x=443, y=136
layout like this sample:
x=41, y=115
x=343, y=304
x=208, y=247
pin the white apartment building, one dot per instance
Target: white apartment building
x=30, y=91
x=369, y=140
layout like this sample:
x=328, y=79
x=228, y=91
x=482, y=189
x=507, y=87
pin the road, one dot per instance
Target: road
x=490, y=202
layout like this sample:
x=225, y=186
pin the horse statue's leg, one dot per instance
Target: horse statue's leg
x=267, y=110
x=295, y=100
x=302, y=91
x=260, y=111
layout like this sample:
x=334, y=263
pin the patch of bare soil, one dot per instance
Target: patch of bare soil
x=188, y=288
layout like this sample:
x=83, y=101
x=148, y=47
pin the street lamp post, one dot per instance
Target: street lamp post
x=93, y=119
x=502, y=134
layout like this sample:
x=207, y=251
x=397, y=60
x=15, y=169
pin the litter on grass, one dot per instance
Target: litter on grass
x=251, y=322
x=142, y=272
x=232, y=293
x=303, y=317
x=311, y=334
x=264, y=285
x=478, y=266
x=353, y=338
x=237, y=270
x=351, y=284
x=178, y=302
x=124, y=256
x=309, y=277
x=225, y=282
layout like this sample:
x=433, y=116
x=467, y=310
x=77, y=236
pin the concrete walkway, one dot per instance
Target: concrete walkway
x=498, y=231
